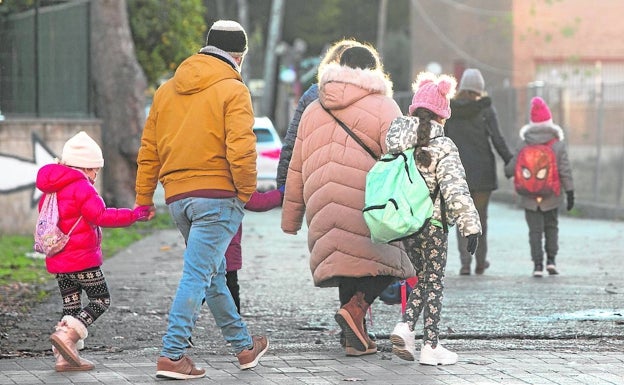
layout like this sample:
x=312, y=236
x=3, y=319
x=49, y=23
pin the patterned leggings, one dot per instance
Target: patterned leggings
x=93, y=282
x=427, y=251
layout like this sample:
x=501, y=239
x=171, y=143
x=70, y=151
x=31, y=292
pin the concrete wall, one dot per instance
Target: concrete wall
x=25, y=146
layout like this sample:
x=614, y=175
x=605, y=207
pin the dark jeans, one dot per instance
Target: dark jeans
x=370, y=286
x=543, y=225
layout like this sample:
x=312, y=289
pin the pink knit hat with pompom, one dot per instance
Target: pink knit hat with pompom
x=540, y=113
x=433, y=93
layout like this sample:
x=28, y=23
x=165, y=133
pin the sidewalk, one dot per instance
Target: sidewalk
x=506, y=326
x=508, y=368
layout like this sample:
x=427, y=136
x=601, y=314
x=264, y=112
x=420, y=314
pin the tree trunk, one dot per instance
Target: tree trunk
x=119, y=98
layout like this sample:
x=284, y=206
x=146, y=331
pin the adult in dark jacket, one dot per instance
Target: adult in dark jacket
x=311, y=94
x=473, y=126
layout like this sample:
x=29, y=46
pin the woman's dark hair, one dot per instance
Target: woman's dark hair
x=424, y=132
x=359, y=57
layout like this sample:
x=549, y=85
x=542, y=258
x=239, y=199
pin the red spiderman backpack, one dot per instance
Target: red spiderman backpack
x=536, y=174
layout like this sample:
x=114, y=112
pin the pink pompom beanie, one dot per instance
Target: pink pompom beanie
x=540, y=113
x=433, y=93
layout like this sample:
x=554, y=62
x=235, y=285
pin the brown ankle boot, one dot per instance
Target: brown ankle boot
x=64, y=339
x=62, y=365
x=350, y=317
x=372, y=346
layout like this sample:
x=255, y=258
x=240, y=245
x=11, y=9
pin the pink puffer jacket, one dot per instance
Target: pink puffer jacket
x=77, y=197
x=327, y=175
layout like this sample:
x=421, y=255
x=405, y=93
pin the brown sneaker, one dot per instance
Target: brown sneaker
x=182, y=369
x=249, y=358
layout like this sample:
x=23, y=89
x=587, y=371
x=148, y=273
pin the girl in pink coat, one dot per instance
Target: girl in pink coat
x=259, y=201
x=77, y=266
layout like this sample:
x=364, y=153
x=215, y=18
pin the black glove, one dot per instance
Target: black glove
x=570, y=196
x=473, y=242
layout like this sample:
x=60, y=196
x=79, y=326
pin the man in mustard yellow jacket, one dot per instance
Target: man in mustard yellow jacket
x=198, y=141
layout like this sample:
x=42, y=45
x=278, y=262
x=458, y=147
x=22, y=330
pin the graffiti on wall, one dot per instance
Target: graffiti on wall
x=20, y=174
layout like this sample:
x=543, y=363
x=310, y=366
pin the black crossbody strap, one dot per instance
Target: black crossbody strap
x=351, y=134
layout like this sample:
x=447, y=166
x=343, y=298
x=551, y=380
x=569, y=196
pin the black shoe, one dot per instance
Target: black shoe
x=538, y=271
x=480, y=269
x=552, y=269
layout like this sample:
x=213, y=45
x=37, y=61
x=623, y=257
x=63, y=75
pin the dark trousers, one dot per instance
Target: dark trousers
x=543, y=234
x=231, y=280
x=370, y=286
x=481, y=201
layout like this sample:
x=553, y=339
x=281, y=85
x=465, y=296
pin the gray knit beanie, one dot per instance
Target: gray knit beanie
x=472, y=80
x=228, y=36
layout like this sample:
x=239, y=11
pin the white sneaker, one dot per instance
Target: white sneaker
x=403, y=342
x=437, y=356
x=80, y=344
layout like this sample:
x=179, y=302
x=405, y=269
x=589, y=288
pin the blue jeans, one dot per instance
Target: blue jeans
x=207, y=226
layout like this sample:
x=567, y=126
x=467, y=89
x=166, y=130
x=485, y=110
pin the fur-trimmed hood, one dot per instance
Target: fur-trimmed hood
x=340, y=85
x=540, y=133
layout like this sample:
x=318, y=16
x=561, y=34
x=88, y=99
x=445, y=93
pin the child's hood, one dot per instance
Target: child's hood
x=540, y=133
x=53, y=177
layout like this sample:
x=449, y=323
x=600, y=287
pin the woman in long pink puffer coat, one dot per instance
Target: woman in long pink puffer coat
x=325, y=182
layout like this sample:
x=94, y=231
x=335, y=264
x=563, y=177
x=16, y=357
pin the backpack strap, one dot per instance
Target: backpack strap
x=74, y=226
x=403, y=296
x=351, y=134
x=434, y=195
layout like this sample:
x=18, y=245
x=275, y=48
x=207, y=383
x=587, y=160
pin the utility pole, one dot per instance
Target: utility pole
x=243, y=17
x=381, y=26
x=270, y=58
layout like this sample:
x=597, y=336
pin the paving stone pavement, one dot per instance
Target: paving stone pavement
x=534, y=360
x=483, y=367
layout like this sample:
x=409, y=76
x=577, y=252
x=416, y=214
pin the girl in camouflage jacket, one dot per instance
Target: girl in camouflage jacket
x=437, y=159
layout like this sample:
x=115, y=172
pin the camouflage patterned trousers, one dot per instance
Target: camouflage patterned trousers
x=428, y=252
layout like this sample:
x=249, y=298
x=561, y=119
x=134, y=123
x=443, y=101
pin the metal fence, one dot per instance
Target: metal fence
x=45, y=61
x=592, y=118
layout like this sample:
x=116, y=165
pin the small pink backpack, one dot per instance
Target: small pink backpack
x=49, y=239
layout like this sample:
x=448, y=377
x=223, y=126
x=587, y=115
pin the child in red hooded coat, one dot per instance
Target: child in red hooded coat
x=77, y=265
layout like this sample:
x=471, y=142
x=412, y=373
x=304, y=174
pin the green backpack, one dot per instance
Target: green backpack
x=397, y=201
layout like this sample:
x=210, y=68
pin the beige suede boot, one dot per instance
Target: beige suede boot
x=62, y=365
x=67, y=334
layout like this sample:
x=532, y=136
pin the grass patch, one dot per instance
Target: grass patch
x=17, y=266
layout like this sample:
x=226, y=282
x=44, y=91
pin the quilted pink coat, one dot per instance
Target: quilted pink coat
x=259, y=201
x=76, y=196
x=327, y=174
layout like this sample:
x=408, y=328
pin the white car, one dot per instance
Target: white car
x=269, y=147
